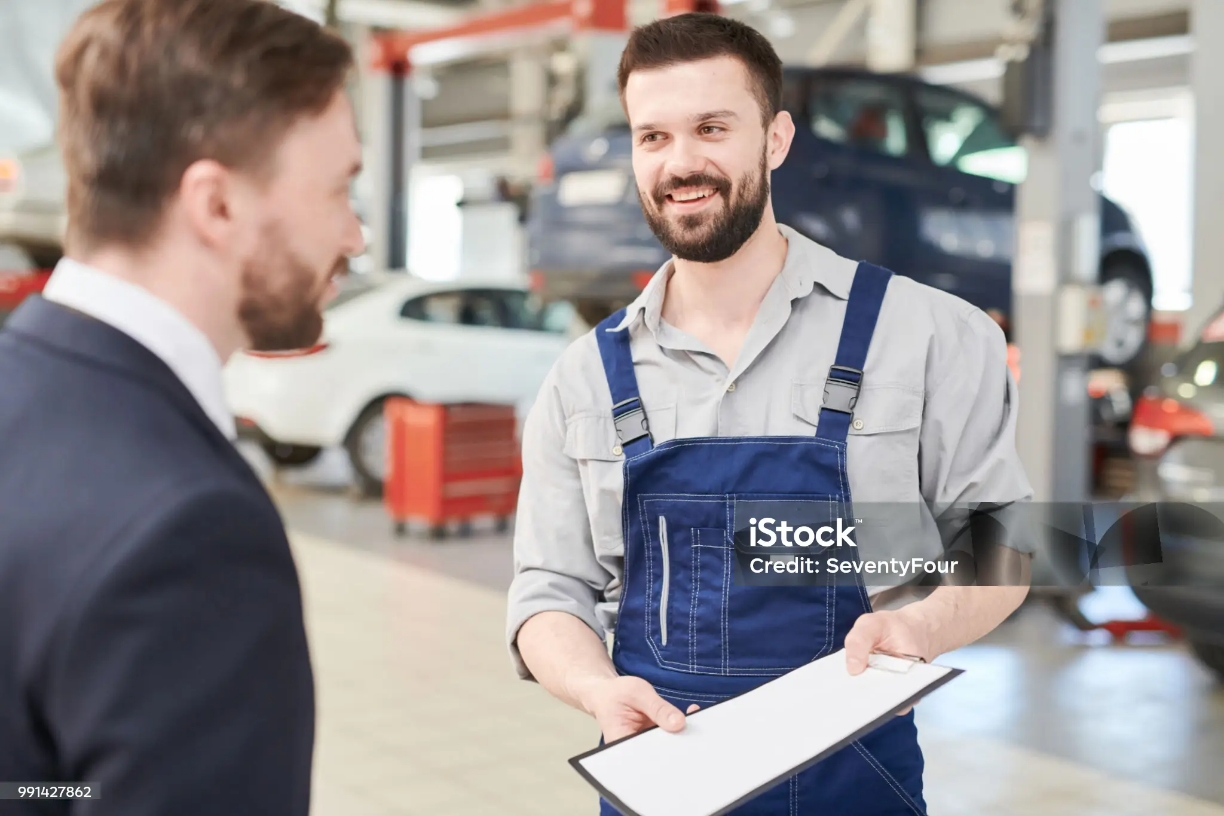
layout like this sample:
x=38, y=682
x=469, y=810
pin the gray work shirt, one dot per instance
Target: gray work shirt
x=934, y=424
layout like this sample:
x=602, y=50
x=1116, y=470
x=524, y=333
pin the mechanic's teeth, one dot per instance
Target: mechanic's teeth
x=693, y=196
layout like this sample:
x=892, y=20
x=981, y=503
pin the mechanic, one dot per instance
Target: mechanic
x=711, y=386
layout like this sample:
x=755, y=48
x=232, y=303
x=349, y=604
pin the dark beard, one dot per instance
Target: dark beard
x=724, y=232
x=280, y=299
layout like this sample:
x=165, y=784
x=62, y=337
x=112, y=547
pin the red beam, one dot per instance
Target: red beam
x=394, y=48
x=674, y=7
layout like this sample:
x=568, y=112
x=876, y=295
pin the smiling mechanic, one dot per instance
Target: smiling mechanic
x=711, y=387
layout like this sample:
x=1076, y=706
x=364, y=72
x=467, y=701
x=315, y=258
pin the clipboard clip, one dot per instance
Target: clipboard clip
x=896, y=663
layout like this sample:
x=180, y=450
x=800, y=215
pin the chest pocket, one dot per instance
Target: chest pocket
x=590, y=440
x=882, y=444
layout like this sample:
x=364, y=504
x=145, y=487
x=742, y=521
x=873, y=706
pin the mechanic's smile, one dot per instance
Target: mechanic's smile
x=691, y=195
x=691, y=201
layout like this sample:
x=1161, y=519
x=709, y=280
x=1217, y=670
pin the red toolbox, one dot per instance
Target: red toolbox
x=450, y=463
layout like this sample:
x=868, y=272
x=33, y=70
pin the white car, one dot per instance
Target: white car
x=389, y=335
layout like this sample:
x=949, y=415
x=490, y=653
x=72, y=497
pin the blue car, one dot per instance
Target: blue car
x=916, y=177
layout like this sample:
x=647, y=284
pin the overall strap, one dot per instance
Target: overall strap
x=632, y=432
x=846, y=375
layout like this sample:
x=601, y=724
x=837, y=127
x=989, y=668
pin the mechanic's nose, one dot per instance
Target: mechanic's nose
x=684, y=159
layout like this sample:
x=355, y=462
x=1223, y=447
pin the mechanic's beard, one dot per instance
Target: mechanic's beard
x=280, y=308
x=706, y=238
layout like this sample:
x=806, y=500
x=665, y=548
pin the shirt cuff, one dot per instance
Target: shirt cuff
x=536, y=591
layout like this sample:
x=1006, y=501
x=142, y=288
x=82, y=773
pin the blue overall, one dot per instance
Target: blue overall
x=697, y=635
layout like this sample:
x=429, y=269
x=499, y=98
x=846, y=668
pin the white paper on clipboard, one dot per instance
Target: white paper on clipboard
x=739, y=748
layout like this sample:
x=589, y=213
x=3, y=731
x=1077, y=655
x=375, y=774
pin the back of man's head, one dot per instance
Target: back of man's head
x=148, y=87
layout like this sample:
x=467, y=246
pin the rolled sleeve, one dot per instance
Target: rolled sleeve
x=555, y=565
x=969, y=457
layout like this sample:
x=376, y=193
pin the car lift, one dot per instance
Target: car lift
x=395, y=54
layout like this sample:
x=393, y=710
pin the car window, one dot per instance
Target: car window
x=859, y=112
x=794, y=89
x=528, y=311
x=963, y=134
x=440, y=307
x=523, y=310
x=481, y=308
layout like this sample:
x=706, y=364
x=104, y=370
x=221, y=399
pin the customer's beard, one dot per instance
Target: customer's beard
x=710, y=238
x=281, y=298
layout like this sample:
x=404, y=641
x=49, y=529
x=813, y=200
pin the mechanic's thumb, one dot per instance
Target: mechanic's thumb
x=860, y=642
x=664, y=714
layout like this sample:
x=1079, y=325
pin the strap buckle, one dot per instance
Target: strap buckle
x=630, y=423
x=842, y=389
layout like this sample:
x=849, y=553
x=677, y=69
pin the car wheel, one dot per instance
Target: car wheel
x=1211, y=654
x=367, y=449
x=1127, y=298
x=290, y=455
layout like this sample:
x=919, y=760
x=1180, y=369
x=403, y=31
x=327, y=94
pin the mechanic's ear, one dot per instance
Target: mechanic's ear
x=778, y=139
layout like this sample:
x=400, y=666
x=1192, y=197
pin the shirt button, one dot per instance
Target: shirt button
x=731, y=387
x=858, y=424
x=616, y=450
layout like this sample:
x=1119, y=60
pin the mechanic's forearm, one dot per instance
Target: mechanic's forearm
x=955, y=616
x=564, y=656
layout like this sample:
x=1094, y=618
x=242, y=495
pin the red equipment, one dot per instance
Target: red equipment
x=450, y=463
x=17, y=286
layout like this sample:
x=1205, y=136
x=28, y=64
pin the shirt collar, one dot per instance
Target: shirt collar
x=151, y=322
x=807, y=263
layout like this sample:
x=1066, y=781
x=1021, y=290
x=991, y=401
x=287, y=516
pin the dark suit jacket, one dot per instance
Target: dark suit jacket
x=151, y=634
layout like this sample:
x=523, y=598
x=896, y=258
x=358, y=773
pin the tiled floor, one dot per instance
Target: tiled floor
x=420, y=712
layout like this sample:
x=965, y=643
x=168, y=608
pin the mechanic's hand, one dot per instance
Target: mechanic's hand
x=626, y=705
x=889, y=632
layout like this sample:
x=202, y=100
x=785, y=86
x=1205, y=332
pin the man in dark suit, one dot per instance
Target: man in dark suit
x=151, y=634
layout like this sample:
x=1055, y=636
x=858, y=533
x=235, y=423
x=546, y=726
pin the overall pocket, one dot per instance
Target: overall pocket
x=700, y=617
x=671, y=565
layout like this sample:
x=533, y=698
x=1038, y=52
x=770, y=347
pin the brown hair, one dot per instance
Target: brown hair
x=147, y=87
x=698, y=36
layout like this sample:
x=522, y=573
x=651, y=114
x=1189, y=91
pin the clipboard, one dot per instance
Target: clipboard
x=732, y=751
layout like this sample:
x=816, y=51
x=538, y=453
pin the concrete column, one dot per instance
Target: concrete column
x=1058, y=216
x=600, y=53
x=892, y=35
x=392, y=124
x=406, y=136
x=376, y=173
x=1206, y=68
x=528, y=99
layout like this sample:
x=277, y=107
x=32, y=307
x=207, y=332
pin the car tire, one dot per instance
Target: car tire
x=285, y=455
x=365, y=438
x=1126, y=288
x=1211, y=655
